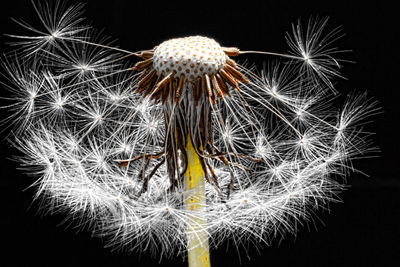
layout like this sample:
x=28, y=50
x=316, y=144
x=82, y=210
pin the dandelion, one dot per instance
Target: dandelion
x=185, y=147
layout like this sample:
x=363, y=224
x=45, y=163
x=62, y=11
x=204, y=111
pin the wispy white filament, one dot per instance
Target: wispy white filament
x=74, y=115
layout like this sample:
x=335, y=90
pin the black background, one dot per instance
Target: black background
x=361, y=231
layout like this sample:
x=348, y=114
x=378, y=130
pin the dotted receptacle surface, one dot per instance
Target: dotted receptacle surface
x=190, y=56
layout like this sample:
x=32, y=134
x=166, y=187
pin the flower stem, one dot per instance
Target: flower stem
x=195, y=202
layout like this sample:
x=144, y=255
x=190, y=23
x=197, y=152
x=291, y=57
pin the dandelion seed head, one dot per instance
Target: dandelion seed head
x=106, y=134
x=191, y=57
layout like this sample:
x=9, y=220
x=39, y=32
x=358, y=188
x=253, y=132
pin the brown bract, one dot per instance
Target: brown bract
x=192, y=67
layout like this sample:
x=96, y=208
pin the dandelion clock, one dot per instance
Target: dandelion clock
x=184, y=146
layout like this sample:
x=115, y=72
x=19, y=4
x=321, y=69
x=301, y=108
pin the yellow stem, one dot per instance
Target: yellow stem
x=195, y=202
